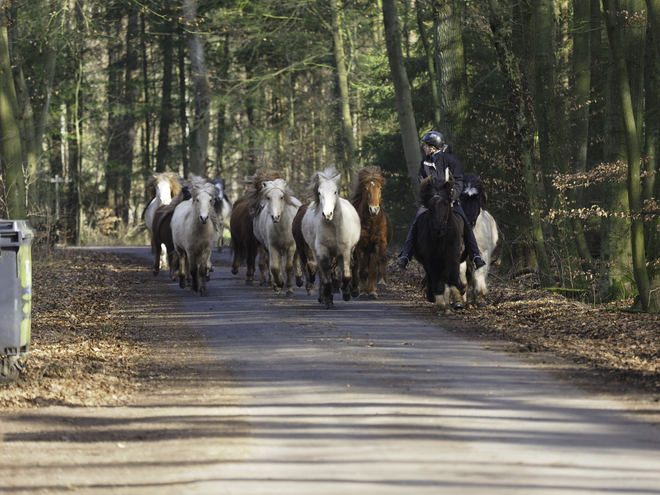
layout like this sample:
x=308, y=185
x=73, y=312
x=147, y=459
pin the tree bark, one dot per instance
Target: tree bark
x=199, y=134
x=11, y=166
x=342, y=76
x=403, y=96
x=433, y=83
x=183, y=119
x=166, y=113
x=451, y=72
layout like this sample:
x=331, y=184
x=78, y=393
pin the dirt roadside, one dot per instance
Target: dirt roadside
x=105, y=332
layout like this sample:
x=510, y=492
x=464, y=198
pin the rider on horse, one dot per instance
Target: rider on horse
x=438, y=158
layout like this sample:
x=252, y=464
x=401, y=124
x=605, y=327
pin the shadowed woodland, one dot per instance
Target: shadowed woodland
x=553, y=104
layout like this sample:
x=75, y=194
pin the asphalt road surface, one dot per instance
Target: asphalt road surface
x=367, y=398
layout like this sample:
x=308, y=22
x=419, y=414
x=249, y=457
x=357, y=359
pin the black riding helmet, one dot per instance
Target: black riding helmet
x=434, y=139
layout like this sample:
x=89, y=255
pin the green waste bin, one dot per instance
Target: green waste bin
x=16, y=237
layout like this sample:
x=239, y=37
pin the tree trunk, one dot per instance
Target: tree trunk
x=166, y=114
x=199, y=134
x=451, y=72
x=183, y=119
x=146, y=151
x=521, y=134
x=581, y=84
x=650, y=302
x=222, y=108
x=11, y=166
x=653, y=7
x=342, y=76
x=433, y=83
x=404, y=105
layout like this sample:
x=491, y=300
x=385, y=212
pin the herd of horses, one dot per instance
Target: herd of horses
x=341, y=241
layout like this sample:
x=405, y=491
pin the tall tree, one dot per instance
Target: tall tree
x=199, y=134
x=650, y=302
x=11, y=165
x=403, y=96
x=166, y=110
x=451, y=71
x=342, y=77
x=521, y=133
x=437, y=120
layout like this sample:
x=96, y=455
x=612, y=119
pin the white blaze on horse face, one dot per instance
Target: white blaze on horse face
x=164, y=192
x=328, y=195
x=219, y=191
x=374, y=197
x=447, y=174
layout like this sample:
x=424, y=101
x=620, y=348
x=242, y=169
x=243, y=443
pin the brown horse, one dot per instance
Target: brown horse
x=245, y=242
x=370, y=255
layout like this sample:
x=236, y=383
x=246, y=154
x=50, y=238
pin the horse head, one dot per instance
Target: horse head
x=324, y=188
x=273, y=193
x=473, y=198
x=203, y=197
x=437, y=196
x=367, y=189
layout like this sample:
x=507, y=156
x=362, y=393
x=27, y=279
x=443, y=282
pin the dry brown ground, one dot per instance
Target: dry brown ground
x=89, y=349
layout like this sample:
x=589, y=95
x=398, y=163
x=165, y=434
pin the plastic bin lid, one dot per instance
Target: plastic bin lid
x=9, y=228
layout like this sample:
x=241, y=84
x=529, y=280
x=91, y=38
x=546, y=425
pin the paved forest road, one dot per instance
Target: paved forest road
x=293, y=399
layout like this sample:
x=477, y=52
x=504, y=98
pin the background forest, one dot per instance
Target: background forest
x=554, y=104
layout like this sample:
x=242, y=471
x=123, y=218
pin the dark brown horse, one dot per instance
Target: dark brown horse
x=162, y=236
x=370, y=255
x=245, y=242
x=304, y=252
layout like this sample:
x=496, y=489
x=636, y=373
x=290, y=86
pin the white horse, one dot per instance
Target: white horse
x=275, y=223
x=473, y=200
x=161, y=188
x=222, y=208
x=331, y=227
x=194, y=233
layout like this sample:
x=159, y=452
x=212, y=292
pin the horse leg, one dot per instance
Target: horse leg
x=193, y=263
x=297, y=269
x=371, y=277
x=173, y=261
x=202, y=277
x=480, y=288
x=289, y=258
x=345, y=276
x=264, y=275
x=325, y=283
x=362, y=270
x=183, y=268
x=442, y=298
x=275, y=268
x=236, y=257
x=381, y=265
x=156, y=246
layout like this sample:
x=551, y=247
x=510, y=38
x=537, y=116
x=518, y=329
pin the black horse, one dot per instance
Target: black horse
x=439, y=245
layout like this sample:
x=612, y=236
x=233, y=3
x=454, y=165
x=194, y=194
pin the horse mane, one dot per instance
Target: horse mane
x=364, y=176
x=282, y=186
x=253, y=196
x=171, y=177
x=317, y=179
x=431, y=185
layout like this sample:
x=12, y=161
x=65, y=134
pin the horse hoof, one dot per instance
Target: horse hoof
x=363, y=296
x=482, y=305
x=457, y=306
x=156, y=272
x=234, y=270
x=346, y=296
x=289, y=294
x=381, y=287
x=329, y=305
x=355, y=294
x=299, y=282
x=182, y=283
x=373, y=296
